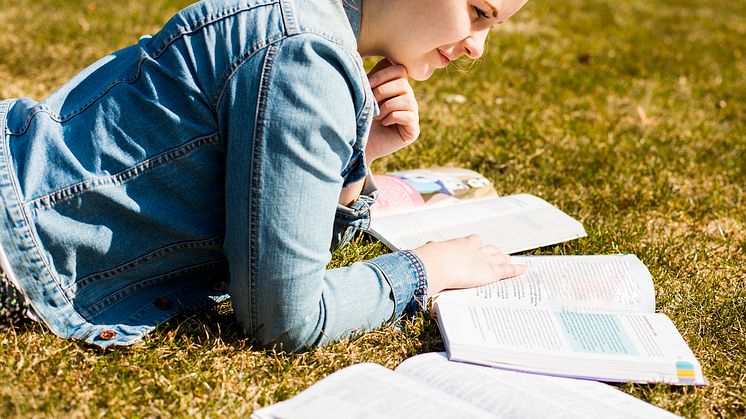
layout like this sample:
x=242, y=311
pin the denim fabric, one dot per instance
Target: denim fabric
x=206, y=158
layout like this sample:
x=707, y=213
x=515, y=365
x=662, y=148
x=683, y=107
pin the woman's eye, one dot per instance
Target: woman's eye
x=481, y=13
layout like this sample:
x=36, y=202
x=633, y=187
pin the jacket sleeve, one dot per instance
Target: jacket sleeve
x=293, y=116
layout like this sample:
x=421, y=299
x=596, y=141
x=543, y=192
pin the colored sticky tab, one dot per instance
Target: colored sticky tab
x=685, y=372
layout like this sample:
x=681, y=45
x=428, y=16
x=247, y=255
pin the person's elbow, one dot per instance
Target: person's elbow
x=291, y=330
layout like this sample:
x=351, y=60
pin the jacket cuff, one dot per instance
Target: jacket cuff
x=350, y=219
x=405, y=273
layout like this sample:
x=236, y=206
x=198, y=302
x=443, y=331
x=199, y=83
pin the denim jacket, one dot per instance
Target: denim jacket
x=202, y=162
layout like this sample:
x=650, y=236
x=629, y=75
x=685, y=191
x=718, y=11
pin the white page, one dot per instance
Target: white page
x=370, y=391
x=520, y=395
x=513, y=223
x=644, y=347
x=593, y=282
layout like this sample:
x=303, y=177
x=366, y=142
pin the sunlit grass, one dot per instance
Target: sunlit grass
x=628, y=115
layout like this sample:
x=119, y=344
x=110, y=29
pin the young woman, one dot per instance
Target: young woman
x=222, y=156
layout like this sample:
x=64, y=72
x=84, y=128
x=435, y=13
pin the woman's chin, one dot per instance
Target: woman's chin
x=421, y=72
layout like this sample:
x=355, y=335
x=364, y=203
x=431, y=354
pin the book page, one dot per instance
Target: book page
x=370, y=390
x=581, y=283
x=518, y=395
x=608, y=346
x=513, y=223
x=395, y=195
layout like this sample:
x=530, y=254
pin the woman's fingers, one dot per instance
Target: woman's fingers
x=508, y=270
x=501, y=259
x=399, y=103
x=465, y=263
x=392, y=88
x=400, y=118
x=398, y=106
x=474, y=240
x=407, y=122
x=502, y=264
x=385, y=72
x=492, y=250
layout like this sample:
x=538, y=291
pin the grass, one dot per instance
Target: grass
x=628, y=115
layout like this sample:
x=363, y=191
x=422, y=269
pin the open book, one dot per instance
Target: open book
x=430, y=386
x=573, y=316
x=417, y=206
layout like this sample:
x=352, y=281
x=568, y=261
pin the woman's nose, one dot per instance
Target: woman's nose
x=474, y=44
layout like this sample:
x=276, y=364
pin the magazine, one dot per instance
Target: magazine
x=422, y=205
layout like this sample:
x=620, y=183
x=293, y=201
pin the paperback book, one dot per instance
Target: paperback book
x=588, y=317
x=430, y=386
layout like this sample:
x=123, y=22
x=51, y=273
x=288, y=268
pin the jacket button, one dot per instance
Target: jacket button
x=163, y=303
x=107, y=334
x=219, y=286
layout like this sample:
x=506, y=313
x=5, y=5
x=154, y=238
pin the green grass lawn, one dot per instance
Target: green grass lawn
x=627, y=114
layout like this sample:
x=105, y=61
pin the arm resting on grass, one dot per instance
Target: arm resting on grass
x=285, y=172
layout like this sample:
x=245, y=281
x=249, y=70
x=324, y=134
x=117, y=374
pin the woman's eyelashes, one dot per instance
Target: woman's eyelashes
x=481, y=14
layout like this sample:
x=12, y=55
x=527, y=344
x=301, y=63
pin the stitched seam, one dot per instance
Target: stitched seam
x=41, y=108
x=361, y=115
x=126, y=175
x=24, y=214
x=294, y=17
x=420, y=293
x=241, y=60
x=215, y=242
x=353, y=57
x=16, y=192
x=107, y=302
x=288, y=16
x=205, y=21
x=255, y=171
x=264, y=43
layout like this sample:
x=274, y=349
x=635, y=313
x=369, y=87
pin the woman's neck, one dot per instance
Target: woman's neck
x=372, y=29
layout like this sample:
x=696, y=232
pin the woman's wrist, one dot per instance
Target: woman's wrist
x=352, y=192
x=370, y=158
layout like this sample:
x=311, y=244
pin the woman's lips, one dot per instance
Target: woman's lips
x=445, y=60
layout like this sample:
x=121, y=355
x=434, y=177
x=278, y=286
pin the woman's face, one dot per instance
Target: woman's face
x=424, y=35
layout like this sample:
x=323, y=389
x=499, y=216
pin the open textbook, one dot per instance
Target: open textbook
x=573, y=316
x=417, y=206
x=430, y=386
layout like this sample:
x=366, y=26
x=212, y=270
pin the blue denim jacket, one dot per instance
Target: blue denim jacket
x=203, y=161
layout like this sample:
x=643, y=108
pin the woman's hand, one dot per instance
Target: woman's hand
x=464, y=263
x=398, y=125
